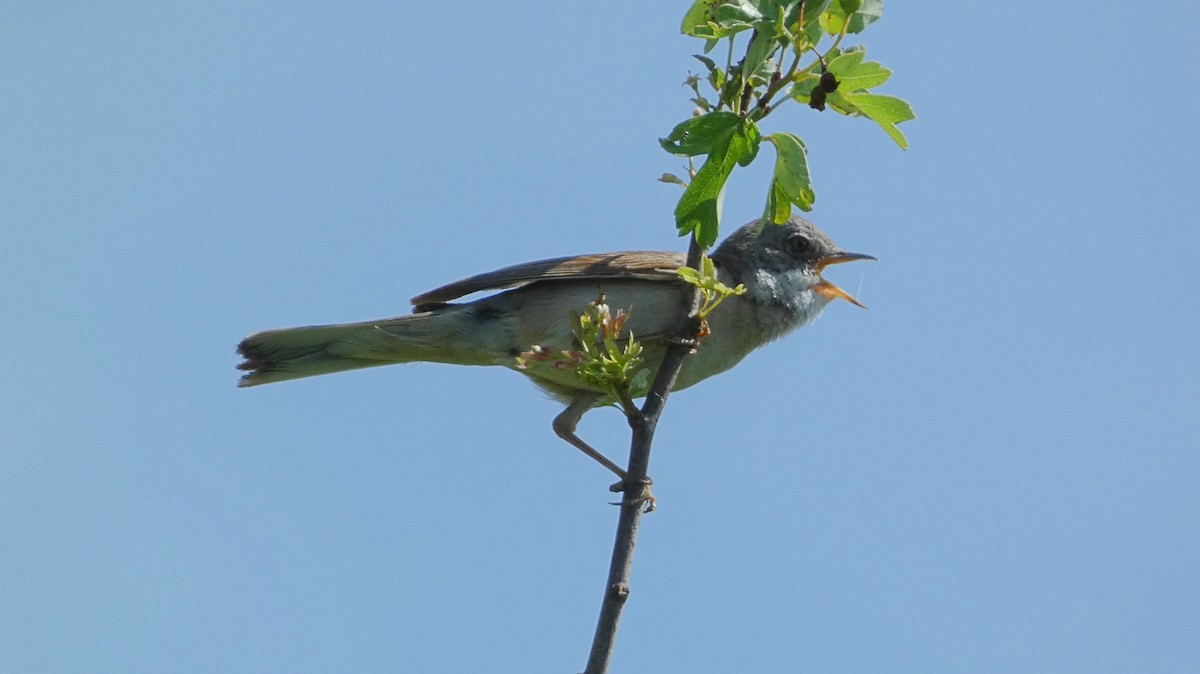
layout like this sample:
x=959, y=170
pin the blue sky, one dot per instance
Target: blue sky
x=993, y=469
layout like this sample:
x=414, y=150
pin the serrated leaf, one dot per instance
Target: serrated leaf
x=855, y=75
x=700, y=135
x=791, y=170
x=699, y=209
x=886, y=111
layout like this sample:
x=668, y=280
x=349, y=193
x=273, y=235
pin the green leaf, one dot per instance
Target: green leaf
x=700, y=135
x=881, y=107
x=854, y=75
x=870, y=12
x=804, y=84
x=736, y=11
x=671, y=178
x=716, y=76
x=782, y=29
x=778, y=208
x=886, y=111
x=712, y=20
x=699, y=209
x=774, y=9
x=730, y=27
x=715, y=19
x=717, y=79
x=895, y=134
x=810, y=29
x=688, y=274
x=760, y=48
x=833, y=21
x=697, y=16
x=745, y=143
x=712, y=291
x=791, y=171
x=851, y=16
x=708, y=63
x=766, y=71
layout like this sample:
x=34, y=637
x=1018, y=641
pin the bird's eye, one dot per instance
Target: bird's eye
x=799, y=244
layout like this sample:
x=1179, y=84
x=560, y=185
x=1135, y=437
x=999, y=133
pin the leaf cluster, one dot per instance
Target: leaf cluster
x=602, y=360
x=807, y=36
x=712, y=290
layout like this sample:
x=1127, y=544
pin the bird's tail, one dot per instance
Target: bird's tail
x=293, y=353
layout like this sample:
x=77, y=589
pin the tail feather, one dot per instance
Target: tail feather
x=279, y=355
x=447, y=335
x=293, y=353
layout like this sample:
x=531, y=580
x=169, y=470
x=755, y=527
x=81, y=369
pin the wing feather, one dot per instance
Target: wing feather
x=652, y=265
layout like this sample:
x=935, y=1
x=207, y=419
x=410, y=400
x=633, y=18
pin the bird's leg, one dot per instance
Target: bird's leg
x=564, y=426
x=566, y=422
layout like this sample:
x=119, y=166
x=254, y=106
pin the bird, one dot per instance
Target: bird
x=533, y=303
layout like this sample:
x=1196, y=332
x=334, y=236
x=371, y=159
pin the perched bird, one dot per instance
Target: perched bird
x=780, y=268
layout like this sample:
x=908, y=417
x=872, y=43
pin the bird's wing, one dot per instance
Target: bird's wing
x=651, y=265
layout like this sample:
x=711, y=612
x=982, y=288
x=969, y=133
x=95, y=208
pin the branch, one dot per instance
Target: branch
x=779, y=81
x=636, y=487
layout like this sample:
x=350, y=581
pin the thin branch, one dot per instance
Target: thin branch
x=764, y=102
x=636, y=486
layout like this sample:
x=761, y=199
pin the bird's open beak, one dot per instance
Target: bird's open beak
x=828, y=289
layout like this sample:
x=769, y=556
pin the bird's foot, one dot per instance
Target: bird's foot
x=637, y=493
x=690, y=342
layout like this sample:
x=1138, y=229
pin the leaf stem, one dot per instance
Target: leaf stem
x=729, y=56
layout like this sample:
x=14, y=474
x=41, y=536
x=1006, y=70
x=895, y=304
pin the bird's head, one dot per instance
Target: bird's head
x=782, y=264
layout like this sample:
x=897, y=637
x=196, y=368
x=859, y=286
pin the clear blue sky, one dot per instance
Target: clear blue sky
x=994, y=469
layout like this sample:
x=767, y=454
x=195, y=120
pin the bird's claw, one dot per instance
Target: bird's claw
x=643, y=498
x=690, y=342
